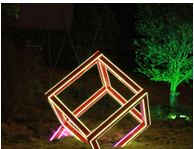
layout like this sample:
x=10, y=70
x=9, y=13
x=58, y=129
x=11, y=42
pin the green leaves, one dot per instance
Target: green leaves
x=166, y=49
x=177, y=93
x=136, y=43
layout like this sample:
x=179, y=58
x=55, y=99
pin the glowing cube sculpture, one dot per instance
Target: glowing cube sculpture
x=70, y=123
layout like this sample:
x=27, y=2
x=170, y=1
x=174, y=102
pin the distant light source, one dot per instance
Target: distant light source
x=70, y=123
x=173, y=116
x=179, y=117
x=183, y=116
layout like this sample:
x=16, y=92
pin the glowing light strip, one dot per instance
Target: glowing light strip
x=71, y=118
x=67, y=131
x=61, y=131
x=88, y=103
x=114, y=117
x=118, y=76
x=70, y=81
x=56, y=133
x=145, y=107
x=97, y=53
x=134, y=110
x=81, y=136
x=122, y=102
x=148, y=111
x=63, y=134
x=122, y=79
x=61, y=121
x=107, y=83
x=104, y=75
x=137, y=116
x=76, y=133
x=137, y=130
x=144, y=125
x=56, y=112
x=77, y=71
x=94, y=144
x=121, y=72
x=134, y=135
x=76, y=121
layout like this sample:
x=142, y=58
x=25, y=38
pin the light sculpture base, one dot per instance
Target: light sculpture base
x=70, y=123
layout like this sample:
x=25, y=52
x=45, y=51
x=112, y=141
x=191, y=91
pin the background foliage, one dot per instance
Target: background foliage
x=166, y=52
x=93, y=26
x=19, y=78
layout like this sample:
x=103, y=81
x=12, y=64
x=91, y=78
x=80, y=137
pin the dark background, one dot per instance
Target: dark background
x=124, y=14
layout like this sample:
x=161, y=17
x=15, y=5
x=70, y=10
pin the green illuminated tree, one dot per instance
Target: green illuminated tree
x=166, y=52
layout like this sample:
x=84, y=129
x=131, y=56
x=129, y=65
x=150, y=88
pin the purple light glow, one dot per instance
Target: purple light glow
x=127, y=135
x=55, y=133
x=58, y=134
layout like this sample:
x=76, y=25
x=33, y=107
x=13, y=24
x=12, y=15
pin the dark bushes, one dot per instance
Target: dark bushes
x=19, y=79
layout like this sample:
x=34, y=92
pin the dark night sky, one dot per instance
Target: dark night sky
x=124, y=14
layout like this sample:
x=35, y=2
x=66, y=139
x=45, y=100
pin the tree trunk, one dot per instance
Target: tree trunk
x=173, y=100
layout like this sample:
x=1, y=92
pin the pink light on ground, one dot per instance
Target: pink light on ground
x=70, y=123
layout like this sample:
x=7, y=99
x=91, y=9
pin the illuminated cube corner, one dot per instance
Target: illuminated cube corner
x=71, y=125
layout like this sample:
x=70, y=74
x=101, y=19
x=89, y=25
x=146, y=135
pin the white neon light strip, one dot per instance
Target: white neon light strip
x=117, y=93
x=134, y=115
x=96, y=144
x=74, y=75
x=83, y=135
x=70, y=73
x=100, y=71
x=123, y=81
x=129, y=134
x=122, y=72
x=116, y=98
x=148, y=109
x=118, y=117
x=137, y=118
x=100, y=65
x=87, y=107
x=105, y=81
x=72, y=114
x=103, y=76
x=62, y=134
x=62, y=124
x=139, y=131
x=55, y=133
x=52, y=105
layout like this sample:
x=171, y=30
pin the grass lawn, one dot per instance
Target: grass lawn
x=34, y=121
